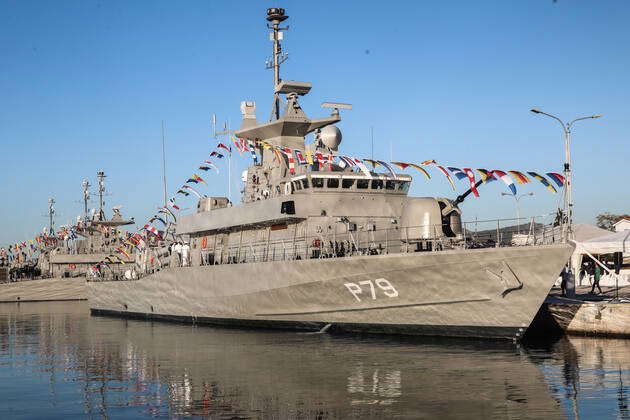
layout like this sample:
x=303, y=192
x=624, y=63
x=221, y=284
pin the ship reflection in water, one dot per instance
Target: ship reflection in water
x=56, y=361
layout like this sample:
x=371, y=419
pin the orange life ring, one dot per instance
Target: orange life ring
x=204, y=242
x=72, y=266
x=317, y=243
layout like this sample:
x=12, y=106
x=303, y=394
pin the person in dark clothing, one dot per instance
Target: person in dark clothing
x=564, y=275
x=596, y=278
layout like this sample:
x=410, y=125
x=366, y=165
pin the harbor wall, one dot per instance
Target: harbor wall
x=44, y=290
x=592, y=318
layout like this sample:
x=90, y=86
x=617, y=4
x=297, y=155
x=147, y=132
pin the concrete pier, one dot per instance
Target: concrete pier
x=44, y=290
x=586, y=314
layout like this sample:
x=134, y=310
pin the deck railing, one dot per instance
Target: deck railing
x=362, y=241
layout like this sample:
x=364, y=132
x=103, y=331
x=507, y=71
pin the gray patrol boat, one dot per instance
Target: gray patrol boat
x=91, y=241
x=325, y=246
x=66, y=257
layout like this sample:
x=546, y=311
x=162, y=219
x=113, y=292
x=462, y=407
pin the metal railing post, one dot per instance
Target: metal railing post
x=293, y=252
x=267, y=246
x=238, y=250
x=498, y=240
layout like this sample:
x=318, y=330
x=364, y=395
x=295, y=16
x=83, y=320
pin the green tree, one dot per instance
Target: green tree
x=607, y=220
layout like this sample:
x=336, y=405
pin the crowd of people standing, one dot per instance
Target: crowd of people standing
x=180, y=254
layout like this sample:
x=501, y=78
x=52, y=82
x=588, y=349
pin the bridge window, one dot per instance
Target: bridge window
x=377, y=184
x=318, y=183
x=363, y=184
x=347, y=183
x=390, y=185
x=404, y=186
x=333, y=183
x=305, y=183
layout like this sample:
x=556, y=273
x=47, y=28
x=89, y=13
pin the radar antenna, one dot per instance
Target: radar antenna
x=276, y=15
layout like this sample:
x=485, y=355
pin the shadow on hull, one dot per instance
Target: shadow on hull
x=467, y=332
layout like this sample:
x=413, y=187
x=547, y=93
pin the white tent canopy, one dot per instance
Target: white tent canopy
x=607, y=244
x=583, y=232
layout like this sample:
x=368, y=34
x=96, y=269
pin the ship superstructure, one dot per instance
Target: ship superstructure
x=93, y=239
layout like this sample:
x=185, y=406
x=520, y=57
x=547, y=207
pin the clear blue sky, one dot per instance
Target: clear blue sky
x=85, y=84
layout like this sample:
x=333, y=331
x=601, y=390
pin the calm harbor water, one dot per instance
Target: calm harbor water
x=58, y=362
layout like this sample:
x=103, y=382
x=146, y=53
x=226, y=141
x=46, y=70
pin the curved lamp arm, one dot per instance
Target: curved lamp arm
x=564, y=128
x=584, y=118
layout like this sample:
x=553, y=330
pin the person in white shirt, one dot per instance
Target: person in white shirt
x=178, y=251
x=185, y=254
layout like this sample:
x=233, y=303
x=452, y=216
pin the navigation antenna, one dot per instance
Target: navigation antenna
x=226, y=131
x=164, y=165
x=51, y=213
x=276, y=15
x=101, y=193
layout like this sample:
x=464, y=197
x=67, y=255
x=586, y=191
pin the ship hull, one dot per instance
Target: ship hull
x=492, y=293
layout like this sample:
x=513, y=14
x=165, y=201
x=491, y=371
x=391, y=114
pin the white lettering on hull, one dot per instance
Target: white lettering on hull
x=386, y=288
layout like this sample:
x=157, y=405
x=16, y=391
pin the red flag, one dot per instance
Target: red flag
x=153, y=231
x=290, y=159
x=471, y=177
x=223, y=146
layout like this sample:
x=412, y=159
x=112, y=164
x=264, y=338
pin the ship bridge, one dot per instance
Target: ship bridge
x=349, y=182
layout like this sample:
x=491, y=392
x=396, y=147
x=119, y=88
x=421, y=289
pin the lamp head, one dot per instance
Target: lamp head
x=536, y=111
x=597, y=116
x=276, y=15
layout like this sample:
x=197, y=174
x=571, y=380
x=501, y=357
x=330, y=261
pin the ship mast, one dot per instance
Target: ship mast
x=51, y=213
x=101, y=193
x=276, y=15
x=86, y=196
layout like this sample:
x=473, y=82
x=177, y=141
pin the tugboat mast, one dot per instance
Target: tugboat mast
x=276, y=15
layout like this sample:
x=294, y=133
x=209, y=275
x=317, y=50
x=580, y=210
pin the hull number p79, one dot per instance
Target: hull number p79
x=386, y=288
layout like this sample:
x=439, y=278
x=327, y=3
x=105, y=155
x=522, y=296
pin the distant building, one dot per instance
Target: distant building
x=623, y=224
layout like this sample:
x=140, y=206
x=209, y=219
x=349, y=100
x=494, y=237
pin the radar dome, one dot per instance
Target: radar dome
x=331, y=136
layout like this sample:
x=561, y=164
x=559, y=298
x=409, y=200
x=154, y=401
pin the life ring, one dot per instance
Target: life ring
x=204, y=242
x=317, y=243
x=72, y=266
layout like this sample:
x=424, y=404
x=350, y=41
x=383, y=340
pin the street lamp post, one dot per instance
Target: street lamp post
x=518, y=210
x=567, y=230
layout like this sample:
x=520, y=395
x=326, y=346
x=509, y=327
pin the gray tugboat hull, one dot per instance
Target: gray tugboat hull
x=492, y=292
